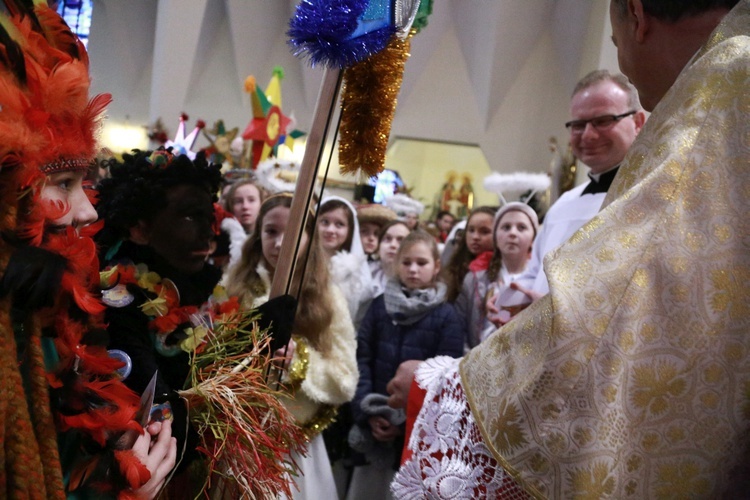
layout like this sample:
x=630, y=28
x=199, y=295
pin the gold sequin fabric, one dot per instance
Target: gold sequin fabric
x=325, y=414
x=298, y=367
x=631, y=379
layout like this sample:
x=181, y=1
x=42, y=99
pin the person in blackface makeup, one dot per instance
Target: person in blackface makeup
x=63, y=406
x=159, y=228
x=163, y=303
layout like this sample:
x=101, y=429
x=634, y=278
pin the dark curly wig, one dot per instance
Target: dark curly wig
x=137, y=188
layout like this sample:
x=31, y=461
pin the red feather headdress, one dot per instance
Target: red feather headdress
x=48, y=124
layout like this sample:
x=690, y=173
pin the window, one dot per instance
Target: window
x=77, y=13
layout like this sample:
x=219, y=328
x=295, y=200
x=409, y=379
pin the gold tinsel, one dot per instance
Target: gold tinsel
x=367, y=108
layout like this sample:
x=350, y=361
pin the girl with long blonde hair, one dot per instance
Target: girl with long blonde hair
x=321, y=357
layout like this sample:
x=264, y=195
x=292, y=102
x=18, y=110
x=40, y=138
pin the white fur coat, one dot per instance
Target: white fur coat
x=331, y=378
x=352, y=275
x=237, y=237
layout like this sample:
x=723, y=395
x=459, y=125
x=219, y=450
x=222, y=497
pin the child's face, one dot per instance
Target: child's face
x=391, y=242
x=514, y=234
x=67, y=187
x=479, y=233
x=368, y=233
x=246, y=205
x=334, y=228
x=272, y=229
x=445, y=223
x=411, y=220
x=417, y=268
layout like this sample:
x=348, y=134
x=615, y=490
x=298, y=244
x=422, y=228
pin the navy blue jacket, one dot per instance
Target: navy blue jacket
x=382, y=345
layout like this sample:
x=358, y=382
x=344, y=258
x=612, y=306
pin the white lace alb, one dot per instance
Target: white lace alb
x=449, y=458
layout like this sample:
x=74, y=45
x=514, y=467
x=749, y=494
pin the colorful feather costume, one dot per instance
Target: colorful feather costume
x=48, y=124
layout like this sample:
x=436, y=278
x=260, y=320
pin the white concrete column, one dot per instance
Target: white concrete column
x=178, y=28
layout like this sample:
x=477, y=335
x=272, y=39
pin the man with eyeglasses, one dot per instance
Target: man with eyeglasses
x=606, y=117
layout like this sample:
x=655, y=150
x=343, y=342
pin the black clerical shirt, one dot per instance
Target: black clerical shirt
x=600, y=183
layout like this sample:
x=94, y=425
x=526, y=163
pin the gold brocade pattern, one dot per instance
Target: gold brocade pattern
x=631, y=379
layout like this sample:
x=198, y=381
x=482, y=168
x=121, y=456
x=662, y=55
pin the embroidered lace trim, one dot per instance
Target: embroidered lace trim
x=449, y=457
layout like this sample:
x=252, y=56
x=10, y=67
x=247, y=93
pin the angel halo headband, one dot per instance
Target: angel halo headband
x=517, y=181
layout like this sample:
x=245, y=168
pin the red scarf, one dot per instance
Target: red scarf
x=481, y=262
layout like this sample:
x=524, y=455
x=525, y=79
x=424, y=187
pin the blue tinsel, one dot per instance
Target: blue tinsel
x=321, y=31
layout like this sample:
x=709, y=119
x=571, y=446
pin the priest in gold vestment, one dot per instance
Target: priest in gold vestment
x=631, y=379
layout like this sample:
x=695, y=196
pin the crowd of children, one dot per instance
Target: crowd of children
x=386, y=289
x=320, y=364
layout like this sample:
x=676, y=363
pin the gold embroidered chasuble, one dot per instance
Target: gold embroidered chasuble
x=631, y=379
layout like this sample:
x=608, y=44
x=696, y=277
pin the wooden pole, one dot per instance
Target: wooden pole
x=325, y=108
x=303, y=191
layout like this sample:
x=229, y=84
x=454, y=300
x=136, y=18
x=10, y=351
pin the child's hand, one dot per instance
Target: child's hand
x=284, y=355
x=158, y=455
x=490, y=306
x=382, y=429
x=534, y=296
x=496, y=320
x=493, y=312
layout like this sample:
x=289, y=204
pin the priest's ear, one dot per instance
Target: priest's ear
x=139, y=234
x=639, y=17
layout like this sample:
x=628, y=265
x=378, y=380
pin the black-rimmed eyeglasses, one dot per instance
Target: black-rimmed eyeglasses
x=598, y=122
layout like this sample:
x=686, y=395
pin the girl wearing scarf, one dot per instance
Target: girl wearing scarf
x=411, y=320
